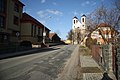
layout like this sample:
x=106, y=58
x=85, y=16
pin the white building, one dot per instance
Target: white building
x=79, y=29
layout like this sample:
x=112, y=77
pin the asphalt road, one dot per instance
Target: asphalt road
x=38, y=66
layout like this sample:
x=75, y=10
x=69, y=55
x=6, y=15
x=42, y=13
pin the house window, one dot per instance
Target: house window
x=2, y=6
x=32, y=30
x=16, y=20
x=16, y=7
x=2, y=22
x=83, y=25
x=38, y=31
x=35, y=30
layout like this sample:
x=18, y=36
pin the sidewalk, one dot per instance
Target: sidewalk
x=90, y=69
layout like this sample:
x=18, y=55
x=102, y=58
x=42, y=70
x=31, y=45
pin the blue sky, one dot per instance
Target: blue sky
x=57, y=15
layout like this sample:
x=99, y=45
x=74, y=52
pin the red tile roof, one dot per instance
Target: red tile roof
x=107, y=25
x=104, y=25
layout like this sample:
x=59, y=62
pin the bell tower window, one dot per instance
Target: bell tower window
x=83, y=20
x=74, y=21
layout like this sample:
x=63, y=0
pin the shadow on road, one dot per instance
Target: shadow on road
x=27, y=52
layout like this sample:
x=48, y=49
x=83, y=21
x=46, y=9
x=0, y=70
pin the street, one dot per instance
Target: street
x=38, y=66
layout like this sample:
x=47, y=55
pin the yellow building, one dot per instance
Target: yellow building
x=68, y=41
x=10, y=15
x=32, y=30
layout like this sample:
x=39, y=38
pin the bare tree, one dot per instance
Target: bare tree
x=117, y=4
x=105, y=15
x=70, y=34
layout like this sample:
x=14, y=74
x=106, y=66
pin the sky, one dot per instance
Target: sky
x=57, y=15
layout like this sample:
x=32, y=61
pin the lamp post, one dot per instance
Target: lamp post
x=44, y=34
x=17, y=35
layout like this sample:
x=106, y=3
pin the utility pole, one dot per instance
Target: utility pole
x=44, y=34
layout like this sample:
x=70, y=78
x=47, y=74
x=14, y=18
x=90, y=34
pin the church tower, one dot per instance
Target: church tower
x=78, y=29
x=74, y=22
x=83, y=21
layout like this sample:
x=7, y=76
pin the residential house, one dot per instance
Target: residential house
x=107, y=54
x=32, y=30
x=10, y=15
x=68, y=41
x=54, y=38
x=104, y=33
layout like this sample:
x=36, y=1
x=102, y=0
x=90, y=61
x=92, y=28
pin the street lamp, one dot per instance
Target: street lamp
x=44, y=34
x=17, y=35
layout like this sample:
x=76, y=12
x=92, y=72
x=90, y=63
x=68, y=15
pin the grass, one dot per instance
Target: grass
x=84, y=51
x=90, y=70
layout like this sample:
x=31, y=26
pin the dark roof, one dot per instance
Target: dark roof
x=19, y=2
x=27, y=18
x=83, y=15
x=75, y=17
x=52, y=34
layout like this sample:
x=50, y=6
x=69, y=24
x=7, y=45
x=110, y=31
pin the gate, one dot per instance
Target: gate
x=117, y=61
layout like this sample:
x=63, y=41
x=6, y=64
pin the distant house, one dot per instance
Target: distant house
x=68, y=41
x=54, y=38
x=104, y=33
x=32, y=30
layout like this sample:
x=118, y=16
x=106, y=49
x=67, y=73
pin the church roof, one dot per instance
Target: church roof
x=83, y=15
x=75, y=17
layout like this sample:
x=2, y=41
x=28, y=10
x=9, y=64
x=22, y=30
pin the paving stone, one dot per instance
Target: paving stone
x=92, y=76
x=87, y=61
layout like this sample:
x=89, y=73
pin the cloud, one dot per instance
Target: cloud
x=88, y=3
x=85, y=3
x=42, y=14
x=75, y=13
x=43, y=1
x=48, y=13
x=54, y=3
x=55, y=12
